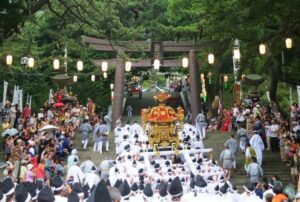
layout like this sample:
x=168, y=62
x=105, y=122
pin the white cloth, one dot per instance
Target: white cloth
x=76, y=172
x=87, y=166
x=91, y=179
x=258, y=145
x=59, y=198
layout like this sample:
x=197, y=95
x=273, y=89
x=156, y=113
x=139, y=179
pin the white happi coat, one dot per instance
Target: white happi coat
x=258, y=145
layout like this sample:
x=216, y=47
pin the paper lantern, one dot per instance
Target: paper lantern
x=185, y=62
x=156, y=64
x=128, y=65
x=262, y=49
x=9, y=59
x=111, y=86
x=30, y=62
x=288, y=43
x=79, y=65
x=93, y=78
x=75, y=79
x=211, y=58
x=56, y=64
x=104, y=66
x=105, y=75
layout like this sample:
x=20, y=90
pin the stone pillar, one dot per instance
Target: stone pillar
x=117, y=109
x=194, y=84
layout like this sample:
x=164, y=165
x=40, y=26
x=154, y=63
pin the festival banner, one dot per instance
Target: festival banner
x=298, y=92
x=20, y=100
x=268, y=96
x=5, y=84
x=30, y=101
x=291, y=97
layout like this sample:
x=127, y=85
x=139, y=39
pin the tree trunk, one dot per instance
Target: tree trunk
x=274, y=78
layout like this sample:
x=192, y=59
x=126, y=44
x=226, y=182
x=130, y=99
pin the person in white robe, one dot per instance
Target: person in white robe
x=92, y=178
x=75, y=172
x=258, y=145
x=87, y=165
x=201, y=125
x=72, y=157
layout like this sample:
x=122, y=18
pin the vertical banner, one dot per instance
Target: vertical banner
x=5, y=84
x=291, y=97
x=30, y=100
x=298, y=92
x=268, y=96
x=27, y=99
x=20, y=100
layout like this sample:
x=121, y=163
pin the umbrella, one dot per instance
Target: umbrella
x=3, y=165
x=10, y=132
x=48, y=128
x=59, y=104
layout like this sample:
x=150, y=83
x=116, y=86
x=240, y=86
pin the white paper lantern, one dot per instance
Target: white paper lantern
x=104, y=66
x=288, y=43
x=75, y=79
x=185, y=62
x=262, y=49
x=111, y=86
x=9, y=59
x=93, y=77
x=128, y=65
x=156, y=64
x=202, y=77
x=105, y=75
x=211, y=58
x=79, y=65
x=56, y=64
x=30, y=62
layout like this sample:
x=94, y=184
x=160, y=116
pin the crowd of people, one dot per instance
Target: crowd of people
x=42, y=163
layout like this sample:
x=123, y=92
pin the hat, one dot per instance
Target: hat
x=22, y=194
x=127, y=147
x=200, y=182
x=29, y=166
x=118, y=183
x=249, y=187
x=100, y=193
x=175, y=188
x=57, y=183
x=46, y=195
x=74, y=151
x=148, y=192
x=134, y=187
x=192, y=184
x=78, y=189
x=124, y=189
x=224, y=188
x=163, y=188
x=141, y=170
x=8, y=186
x=141, y=186
x=73, y=197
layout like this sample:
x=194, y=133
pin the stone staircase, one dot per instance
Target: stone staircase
x=272, y=164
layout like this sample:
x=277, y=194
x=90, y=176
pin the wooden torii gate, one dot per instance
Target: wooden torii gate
x=157, y=48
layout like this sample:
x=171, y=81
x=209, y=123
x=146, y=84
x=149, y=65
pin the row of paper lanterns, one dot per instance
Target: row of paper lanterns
x=156, y=63
x=263, y=47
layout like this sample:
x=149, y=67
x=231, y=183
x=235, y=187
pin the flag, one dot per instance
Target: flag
x=5, y=84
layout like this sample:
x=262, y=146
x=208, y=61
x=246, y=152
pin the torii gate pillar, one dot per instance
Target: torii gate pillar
x=194, y=84
x=117, y=108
